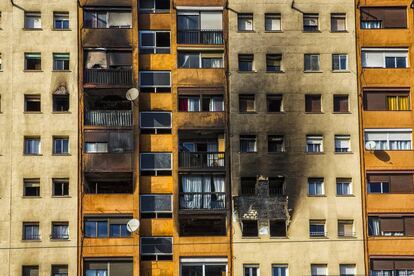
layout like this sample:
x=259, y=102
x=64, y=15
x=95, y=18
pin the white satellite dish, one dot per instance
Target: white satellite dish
x=132, y=94
x=132, y=225
x=370, y=145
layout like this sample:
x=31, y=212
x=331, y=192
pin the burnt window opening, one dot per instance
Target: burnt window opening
x=248, y=186
x=277, y=228
x=276, y=186
x=247, y=103
x=191, y=227
x=104, y=19
x=60, y=103
x=275, y=143
x=109, y=187
x=115, y=60
x=250, y=228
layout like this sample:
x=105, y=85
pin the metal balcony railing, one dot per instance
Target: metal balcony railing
x=211, y=37
x=202, y=201
x=201, y=160
x=108, y=77
x=108, y=118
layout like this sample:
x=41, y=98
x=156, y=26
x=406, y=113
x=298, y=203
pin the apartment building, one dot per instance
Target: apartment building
x=38, y=148
x=294, y=138
x=384, y=36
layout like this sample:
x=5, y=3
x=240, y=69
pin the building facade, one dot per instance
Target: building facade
x=384, y=36
x=39, y=154
x=294, y=138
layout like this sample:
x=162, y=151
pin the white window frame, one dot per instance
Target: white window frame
x=154, y=86
x=387, y=132
x=203, y=262
x=281, y=265
x=155, y=169
x=245, y=16
x=341, y=182
x=311, y=181
x=312, y=139
x=385, y=52
x=343, y=138
x=155, y=211
x=271, y=16
x=347, y=265
x=310, y=62
x=154, y=48
x=319, y=265
x=342, y=16
x=250, y=267
x=339, y=56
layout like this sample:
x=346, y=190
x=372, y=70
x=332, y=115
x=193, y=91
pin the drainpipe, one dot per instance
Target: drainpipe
x=15, y=5
x=296, y=9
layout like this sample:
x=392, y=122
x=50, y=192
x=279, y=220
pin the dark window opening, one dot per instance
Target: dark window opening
x=274, y=103
x=275, y=143
x=276, y=186
x=248, y=186
x=31, y=187
x=277, y=228
x=246, y=63
x=60, y=103
x=250, y=228
x=313, y=103
x=32, y=103
x=60, y=187
x=109, y=187
x=190, y=227
x=32, y=61
x=341, y=103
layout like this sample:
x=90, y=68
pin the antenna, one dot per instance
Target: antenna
x=132, y=225
x=370, y=145
x=132, y=94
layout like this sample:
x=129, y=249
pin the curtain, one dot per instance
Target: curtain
x=403, y=103
x=219, y=187
x=374, y=226
x=212, y=159
x=392, y=102
x=120, y=19
x=183, y=104
x=400, y=145
x=61, y=231
x=193, y=104
x=216, y=104
x=370, y=24
x=206, y=192
x=191, y=185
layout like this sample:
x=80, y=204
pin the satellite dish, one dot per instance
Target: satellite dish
x=370, y=145
x=132, y=94
x=132, y=225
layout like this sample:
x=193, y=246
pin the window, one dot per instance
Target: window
x=342, y=143
x=275, y=143
x=273, y=22
x=388, y=139
x=341, y=103
x=274, y=62
x=276, y=186
x=248, y=186
x=391, y=266
x=1, y=68
x=248, y=143
x=203, y=267
x=101, y=59
x=32, y=145
x=310, y=22
x=245, y=22
x=338, y=22
x=314, y=143
x=154, y=42
x=246, y=63
x=198, y=103
x=343, y=186
x=384, y=57
x=61, y=20
x=60, y=270
x=101, y=227
x=312, y=63
x=31, y=231
x=313, y=103
x=32, y=20
x=104, y=267
x=319, y=269
x=61, y=62
x=274, y=103
x=316, y=187
x=60, y=103
x=200, y=60
x=200, y=27
x=60, y=145
x=347, y=270
x=32, y=61
x=60, y=230
x=395, y=226
x=339, y=62
x=279, y=270
x=154, y=6
x=250, y=228
x=156, y=248
x=101, y=19
x=96, y=147
x=155, y=122
x=32, y=103
x=396, y=182
x=155, y=81
x=156, y=206
x=60, y=187
x=30, y=270
x=31, y=187
x=383, y=17
x=247, y=103
x=156, y=163
x=346, y=228
x=317, y=229
x=251, y=270
x=277, y=228
x=386, y=100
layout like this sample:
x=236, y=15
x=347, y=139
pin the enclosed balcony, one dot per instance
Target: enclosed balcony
x=108, y=68
x=210, y=37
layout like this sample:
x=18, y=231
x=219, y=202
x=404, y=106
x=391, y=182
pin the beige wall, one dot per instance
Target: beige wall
x=297, y=250
x=15, y=124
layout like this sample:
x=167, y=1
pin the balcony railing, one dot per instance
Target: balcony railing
x=201, y=160
x=212, y=37
x=203, y=201
x=108, y=118
x=109, y=77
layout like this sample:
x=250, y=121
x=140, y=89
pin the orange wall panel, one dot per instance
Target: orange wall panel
x=162, y=268
x=390, y=203
x=155, y=101
x=156, y=143
x=156, y=227
x=156, y=184
x=95, y=204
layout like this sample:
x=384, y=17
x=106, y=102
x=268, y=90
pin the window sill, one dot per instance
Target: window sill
x=347, y=237
x=278, y=238
x=309, y=72
x=346, y=152
x=61, y=196
x=32, y=112
x=32, y=71
x=32, y=29
x=275, y=31
x=347, y=112
x=247, y=31
x=317, y=195
x=31, y=197
x=31, y=240
x=61, y=71
x=248, y=152
x=250, y=238
x=346, y=195
x=276, y=152
x=64, y=30
x=247, y=112
x=314, y=113
x=312, y=32
x=319, y=238
x=276, y=112
x=61, y=154
x=61, y=112
x=341, y=71
x=339, y=32
x=275, y=72
x=60, y=240
x=27, y=154
x=246, y=72
x=388, y=110
x=314, y=153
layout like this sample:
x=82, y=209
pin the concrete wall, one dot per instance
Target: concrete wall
x=15, y=123
x=297, y=249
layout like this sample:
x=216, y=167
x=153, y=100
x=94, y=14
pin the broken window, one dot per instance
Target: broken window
x=276, y=186
x=109, y=186
x=156, y=206
x=32, y=20
x=154, y=42
x=247, y=103
x=274, y=103
x=248, y=186
x=156, y=248
x=32, y=61
x=31, y=187
x=107, y=19
x=32, y=103
x=277, y=228
x=61, y=20
x=250, y=228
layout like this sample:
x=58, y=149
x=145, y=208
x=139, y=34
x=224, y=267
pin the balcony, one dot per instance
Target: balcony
x=201, y=160
x=106, y=37
x=208, y=37
x=108, y=77
x=209, y=201
x=108, y=162
x=117, y=118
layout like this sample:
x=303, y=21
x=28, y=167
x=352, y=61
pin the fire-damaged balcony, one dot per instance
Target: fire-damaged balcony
x=262, y=208
x=201, y=150
x=108, y=68
x=107, y=110
x=108, y=150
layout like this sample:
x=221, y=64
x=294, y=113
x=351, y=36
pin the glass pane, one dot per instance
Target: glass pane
x=215, y=270
x=192, y=270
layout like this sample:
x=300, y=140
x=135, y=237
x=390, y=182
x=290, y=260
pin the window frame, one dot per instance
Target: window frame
x=63, y=182
x=61, y=62
x=156, y=169
x=389, y=52
x=32, y=98
x=387, y=132
x=37, y=58
x=273, y=16
x=310, y=28
x=35, y=224
x=155, y=87
x=156, y=255
x=341, y=181
x=63, y=17
x=58, y=224
x=27, y=139
x=339, y=16
x=316, y=181
x=154, y=9
x=31, y=183
x=314, y=138
x=246, y=98
x=35, y=15
x=343, y=137
x=317, y=234
x=154, y=48
x=250, y=268
x=340, y=69
x=312, y=67
x=245, y=16
x=157, y=214
x=248, y=138
x=282, y=145
x=274, y=57
x=61, y=140
x=249, y=68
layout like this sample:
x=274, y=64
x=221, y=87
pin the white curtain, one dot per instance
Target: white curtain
x=219, y=188
x=191, y=184
x=193, y=104
x=216, y=104
x=374, y=226
x=120, y=19
x=206, y=191
x=370, y=24
x=212, y=159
